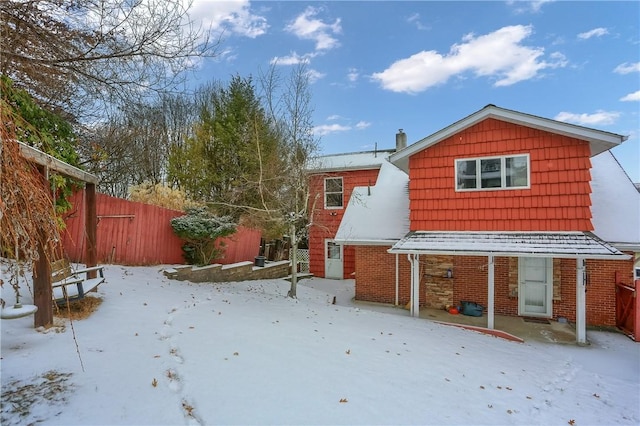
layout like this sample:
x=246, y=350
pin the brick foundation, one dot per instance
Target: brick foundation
x=376, y=282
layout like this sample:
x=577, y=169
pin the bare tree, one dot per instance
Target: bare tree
x=289, y=104
x=75, y=56
x=133, y=147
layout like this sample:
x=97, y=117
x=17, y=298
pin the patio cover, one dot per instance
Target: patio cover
x=511, y=244
x=577, y=245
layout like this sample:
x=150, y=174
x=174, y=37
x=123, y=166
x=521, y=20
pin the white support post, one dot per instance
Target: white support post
x=397, y=278
x=581, y=301
x=491, y=293
x=415, y=270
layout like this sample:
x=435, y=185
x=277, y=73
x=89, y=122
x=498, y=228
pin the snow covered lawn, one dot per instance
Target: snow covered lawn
x=159, y=352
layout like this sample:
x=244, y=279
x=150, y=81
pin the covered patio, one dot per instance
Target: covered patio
x=516, y=329
x=572, y=245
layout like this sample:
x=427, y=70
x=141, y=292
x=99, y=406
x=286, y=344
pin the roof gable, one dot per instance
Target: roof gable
x=377, y=214
x=599, y=141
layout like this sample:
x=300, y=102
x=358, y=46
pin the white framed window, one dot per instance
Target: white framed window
x=333, y=193
x=490, y=173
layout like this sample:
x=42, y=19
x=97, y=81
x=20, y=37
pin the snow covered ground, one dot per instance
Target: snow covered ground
x=163, y=352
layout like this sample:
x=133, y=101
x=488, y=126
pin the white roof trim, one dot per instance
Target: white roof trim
x=599, y=140
x=352, y=161
x=364, y=242
x=510, y=244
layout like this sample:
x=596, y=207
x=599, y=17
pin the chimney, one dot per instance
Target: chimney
x=401, y=140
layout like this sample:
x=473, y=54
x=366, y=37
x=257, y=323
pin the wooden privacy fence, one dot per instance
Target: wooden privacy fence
x=131, y=233
x=628, y=308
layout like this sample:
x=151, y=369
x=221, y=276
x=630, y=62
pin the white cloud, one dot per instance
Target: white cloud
x=631, y=97
x=229, y=16
x=305, y=26
x=598, y=118
x=596, y=32
x=415, y=20
x=353, y=75
x=326, y=129
x=335, y=117
x=360, y=125
x=314, y=75
x=292, y=59
x=499, y=55
x=528, y=6
x=627, y=68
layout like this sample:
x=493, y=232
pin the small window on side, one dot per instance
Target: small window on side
x=333, y=193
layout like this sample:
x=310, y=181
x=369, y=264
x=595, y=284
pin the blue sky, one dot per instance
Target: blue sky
x=378, y=66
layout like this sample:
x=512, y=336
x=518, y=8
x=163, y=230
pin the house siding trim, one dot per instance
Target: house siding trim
x=599, y=141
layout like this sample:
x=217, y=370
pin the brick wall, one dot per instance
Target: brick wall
x=375, y=282
x=376, y=275
x=601, y=293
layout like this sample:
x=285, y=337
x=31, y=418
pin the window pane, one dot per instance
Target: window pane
x=466, y=174
x=333, y=250
x=516, y=171
x=333, y=185
x=490, y=173
x=334, y=200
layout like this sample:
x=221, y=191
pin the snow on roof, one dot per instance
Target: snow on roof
x=615, y=202
x=599, y=140
x=514, y=244
x=377, y=214
x=350, y=161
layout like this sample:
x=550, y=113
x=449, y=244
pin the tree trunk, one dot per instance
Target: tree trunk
x=42, y=291
x=294, y=262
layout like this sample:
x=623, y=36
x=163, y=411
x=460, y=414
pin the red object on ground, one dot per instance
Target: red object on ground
x=453, y=311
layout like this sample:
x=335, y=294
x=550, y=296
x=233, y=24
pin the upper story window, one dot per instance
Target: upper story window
x=507, y=172
x=333, y=193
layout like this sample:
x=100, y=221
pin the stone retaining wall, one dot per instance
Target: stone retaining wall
x=241, y=271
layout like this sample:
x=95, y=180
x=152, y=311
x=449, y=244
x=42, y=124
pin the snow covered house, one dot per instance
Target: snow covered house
x=518, y=213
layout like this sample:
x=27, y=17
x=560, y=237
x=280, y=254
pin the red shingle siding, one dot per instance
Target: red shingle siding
x=558, y=198
x=325, y=222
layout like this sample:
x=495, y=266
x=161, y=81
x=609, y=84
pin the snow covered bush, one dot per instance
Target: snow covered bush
x=201, y=229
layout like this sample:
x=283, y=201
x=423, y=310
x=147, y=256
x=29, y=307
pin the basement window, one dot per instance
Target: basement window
x=333, y=191
x=488, y=173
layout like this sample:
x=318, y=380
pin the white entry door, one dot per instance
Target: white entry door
x=535, y=293
x=333, y=260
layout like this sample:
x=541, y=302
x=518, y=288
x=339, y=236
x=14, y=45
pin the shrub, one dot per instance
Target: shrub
x=201, y=229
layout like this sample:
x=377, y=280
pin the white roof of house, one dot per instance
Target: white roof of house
x=599, y=141
x=513, y=244
x=615, y=203
x=351, y=161
x=377, y=214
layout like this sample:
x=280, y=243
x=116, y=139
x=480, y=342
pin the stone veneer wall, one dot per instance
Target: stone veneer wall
x=241, y=271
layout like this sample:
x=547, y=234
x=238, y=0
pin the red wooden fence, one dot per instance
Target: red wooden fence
x=628, y=308
x=131, y=233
